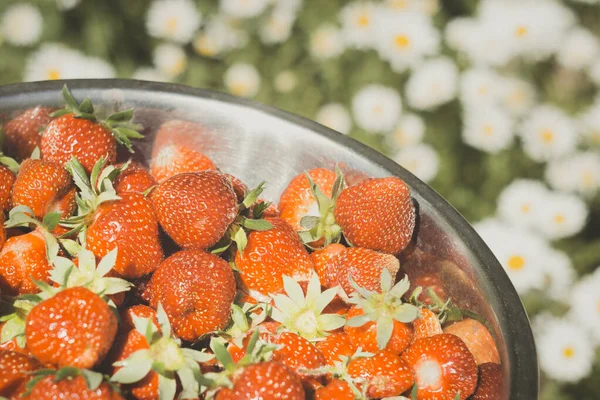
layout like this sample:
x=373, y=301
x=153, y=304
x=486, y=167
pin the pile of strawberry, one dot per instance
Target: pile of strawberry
x=178, y=281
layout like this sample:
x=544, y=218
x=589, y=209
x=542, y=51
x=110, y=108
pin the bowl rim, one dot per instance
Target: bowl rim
x=520, y=345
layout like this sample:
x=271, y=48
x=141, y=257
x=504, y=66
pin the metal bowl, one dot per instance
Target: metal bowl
x=256, y=142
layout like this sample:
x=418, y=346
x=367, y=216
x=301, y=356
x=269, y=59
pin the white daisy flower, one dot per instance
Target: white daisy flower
x=560, y=275
x=22, y=24
x=432, y=84
x=65, y=5
x=97, y=68
x=336, y=117
x=459, y=31
x=409, y=131
x=220, y=34
x=589, y=122
x=518, y=95
x=376, y=108
x=479, y=87
x=242, y=80
x=421, y=160
x=358, y=24
x=490, y=44
x=427, y=7
x=149, y=74
x=404, y=39
x=170, y=59
x=548, y=133
x=285, y=81
x=521, y=201
x=594, y=71
x=578, y=49
x=278, y=27
x=243, y=8
x=561, y=215
x=326, y=42
x=53, y=61
x=175, y=20
x=579, y=172
x=489, y=129
x=585, y=304
x=565, y=351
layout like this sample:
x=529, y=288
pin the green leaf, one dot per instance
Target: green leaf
x=414, y=392
x=96, y=170
x=309, y=221
x=163, y=321
x=69, y=99
x=385, y=326
x=134, y=368
x=259, y=209
x=241, y=240
x=386, y=280
x=80, y=177
x=189, y=384
x=52, y=247
x=71, y=246
x=121, y=116
x=197, y=356
x=307, y=237
x=221, y=353
x=51, y=220
x=293, y=290
x=359, y=320
x=86, y=107
x=457, y=397
x=10, y=163
x=107, y=263
x=338, y=184
x=167, y=387
x=252, y=195
x=406, y=313
x=239, y=317
x=252, y=342
x=66, y=372
x=92, y=378
x=256, y=224
x=400, y=288
x=36, y=154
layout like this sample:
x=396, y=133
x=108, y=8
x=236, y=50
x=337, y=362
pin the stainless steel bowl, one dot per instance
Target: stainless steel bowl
x=256, y=142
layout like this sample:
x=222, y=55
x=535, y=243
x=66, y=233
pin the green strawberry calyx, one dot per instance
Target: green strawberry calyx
x=92, y=379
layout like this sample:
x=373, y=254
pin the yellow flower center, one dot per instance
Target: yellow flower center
x=521, y=31
x=239, y=88
x=171, y=25
x=569, y=352
x=399, y=4
x=411, y=165
x=363, y=20
x=516, y=263
x=488, y=130
x=204, y=46
x=547, y=136
x=483, y=90
x=178, y=67
x=402, y=41
x=588, y=179
x=598, y=306
x=53, y=74
x=525, y=208
x=559, y=218
x=595, y=137
x=517, y=97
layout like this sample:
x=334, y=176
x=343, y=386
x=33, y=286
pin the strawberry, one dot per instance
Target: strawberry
x=427, y=324
x=364, y=266
x=491, y=384
x=271, y=254
x=377, y=213
x=323, y=261
x=22, y=134
x=336, y=389
x=77, y=132
x=60, y=334
x=70, y=383
x=126, y=221
x=239, y=187
x=179, y=132
x=477, y=338
x=133, y=178
x=7, y=180
x=335, y=345
x=44, y=186
x=443, y=366
x=297, y=200
x=2, y=232
x=264, y=381
x=297, y=353
x=195, y=209
x=176, y=159
x=196, y=290
x=385, y=374
x=15, y=368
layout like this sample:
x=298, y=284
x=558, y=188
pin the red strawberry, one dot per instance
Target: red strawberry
x=134, y=178
x=264, y=381
x=365, y=336
x=427, y=324
x=386, y=374
x=180, y=132
x=22, y=134
x=177, y=159
x=298, y=201
x=14, y=372
x=477, y=338
x=335, y=345
x=377, y=214
x=196, y=290
x=52, y=388
x=443, y=367
x=323, y=261
x=61, y=334
x=195, y=209
x=297, y=353
x=271, y=254
x=7, y=179
x=363, y=265
x=491, y=384
x=239, y=187
x=22, y=259
x=2, y=231
x=44, y=186
x=336, y=389
x=76, y=132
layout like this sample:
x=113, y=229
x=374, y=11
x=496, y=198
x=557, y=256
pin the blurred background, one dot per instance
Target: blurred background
x=494, y=103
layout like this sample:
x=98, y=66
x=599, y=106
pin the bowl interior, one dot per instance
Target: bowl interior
x=256, y=142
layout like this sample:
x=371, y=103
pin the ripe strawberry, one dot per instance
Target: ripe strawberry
x=2, y=231
x=297, y=353
x=176, y=159
x=22, y=134
x=363, y=265
x=14, y=372
x=195, y=209
x=196, y=290
x=386, y=374
x=7, y=179
x=323, y=261
x=134, y=178
x=266, y=380
x=336, y=389
x=478, y=339
x=298, y=201
x=377, y=214
x=427, y=324
x=44, y=186
x=443, y=367
x=179, y=132
x=76, y=132
x=491, y=384
x=63, y=335
x=271, y=254
x=335, y=345
x=239, y=187
x=52, y=387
